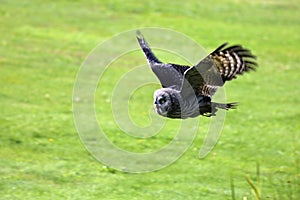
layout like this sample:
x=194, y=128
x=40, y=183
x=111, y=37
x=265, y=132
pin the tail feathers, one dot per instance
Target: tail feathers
x=211, y=110
x=225, y=106
x=146, y=49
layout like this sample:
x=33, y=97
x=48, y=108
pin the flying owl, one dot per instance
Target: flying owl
x=187, y=90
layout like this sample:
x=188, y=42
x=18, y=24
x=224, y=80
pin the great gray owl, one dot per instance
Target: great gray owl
x=187, y=91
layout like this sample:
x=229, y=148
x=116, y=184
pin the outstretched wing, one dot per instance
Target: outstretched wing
x=218, y=67
x=169, y=75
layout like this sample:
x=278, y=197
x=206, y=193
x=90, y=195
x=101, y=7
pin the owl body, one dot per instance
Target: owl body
x=168, y=102
x=187, y=90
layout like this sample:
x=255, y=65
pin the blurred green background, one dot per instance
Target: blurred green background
x=42, y=46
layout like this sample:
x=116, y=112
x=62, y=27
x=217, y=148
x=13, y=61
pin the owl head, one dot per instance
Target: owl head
x=163, y=101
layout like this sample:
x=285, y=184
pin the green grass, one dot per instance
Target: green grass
x=42, y=46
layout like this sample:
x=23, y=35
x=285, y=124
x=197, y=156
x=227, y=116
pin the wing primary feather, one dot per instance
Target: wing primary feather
x=220, y=48
x=233, y=60
x=146, y=49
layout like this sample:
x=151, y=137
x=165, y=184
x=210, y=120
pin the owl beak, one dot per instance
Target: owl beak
x=155, y=102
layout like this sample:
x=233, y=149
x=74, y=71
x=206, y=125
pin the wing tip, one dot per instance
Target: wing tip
x=220, y=47
x=139, y=35
x=245, y=54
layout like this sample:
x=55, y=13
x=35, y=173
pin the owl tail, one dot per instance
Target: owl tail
x=225, y=106
x=146, y=49
x=212, y=108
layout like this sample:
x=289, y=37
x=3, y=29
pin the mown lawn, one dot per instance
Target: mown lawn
x=43, y=44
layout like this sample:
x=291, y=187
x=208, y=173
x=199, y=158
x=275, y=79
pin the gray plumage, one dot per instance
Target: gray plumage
x=187, y=91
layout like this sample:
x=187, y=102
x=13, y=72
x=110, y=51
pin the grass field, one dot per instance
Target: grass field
x=42, y=46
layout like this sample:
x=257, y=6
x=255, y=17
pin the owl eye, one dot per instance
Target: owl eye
x=161, y=100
